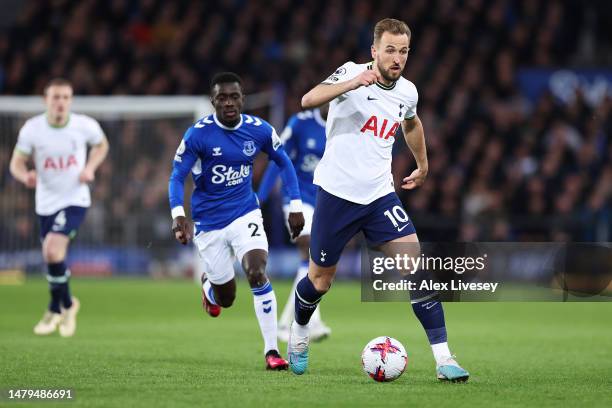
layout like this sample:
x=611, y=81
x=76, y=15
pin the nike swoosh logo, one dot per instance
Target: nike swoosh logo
x=400, y=229
x=372, y=99
x=267, y=309
x=430, y=305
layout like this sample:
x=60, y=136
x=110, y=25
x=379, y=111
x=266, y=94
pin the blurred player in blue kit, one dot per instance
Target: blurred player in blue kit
x=219, y=151
x=304, y=141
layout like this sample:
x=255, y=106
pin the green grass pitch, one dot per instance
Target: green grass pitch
x=143, y=343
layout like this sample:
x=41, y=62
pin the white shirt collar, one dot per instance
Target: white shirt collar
x=221, y=125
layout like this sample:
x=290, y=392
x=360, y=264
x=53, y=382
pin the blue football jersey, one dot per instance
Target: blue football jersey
x=220, y=160
x=304, y=141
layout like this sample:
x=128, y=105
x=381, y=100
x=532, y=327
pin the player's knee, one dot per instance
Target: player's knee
x=54, y=248
x=53, y=254
x=254, y=266
x=256, y=275
x=322, y=283
x=321, y=277
x=407, y=248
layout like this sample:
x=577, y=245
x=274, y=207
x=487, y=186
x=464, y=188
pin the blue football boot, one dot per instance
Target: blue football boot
x=297, y=351
x=450, y=370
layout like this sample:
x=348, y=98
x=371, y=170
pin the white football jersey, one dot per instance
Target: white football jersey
x=59, y=155
x=360, y=129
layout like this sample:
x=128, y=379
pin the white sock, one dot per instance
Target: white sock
x=289, y=310
x=315, y=319
x=264, y=302
x=208, y=292
x=300, y=330
x=440, y=352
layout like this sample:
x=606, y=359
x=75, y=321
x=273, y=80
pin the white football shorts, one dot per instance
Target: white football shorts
x=219, y=248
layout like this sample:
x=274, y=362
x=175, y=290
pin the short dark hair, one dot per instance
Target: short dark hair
x=57, y=82
x=224, y=78
x=392, y=26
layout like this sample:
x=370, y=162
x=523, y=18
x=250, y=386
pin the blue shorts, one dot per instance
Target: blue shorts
x=336, y=221
x=65, y=221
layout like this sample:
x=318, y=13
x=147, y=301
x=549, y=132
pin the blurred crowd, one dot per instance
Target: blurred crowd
x=502, y=167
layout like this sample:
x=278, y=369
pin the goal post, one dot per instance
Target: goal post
x=104, y=107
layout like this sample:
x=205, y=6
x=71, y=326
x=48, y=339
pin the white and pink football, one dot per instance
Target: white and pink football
x=384, y=359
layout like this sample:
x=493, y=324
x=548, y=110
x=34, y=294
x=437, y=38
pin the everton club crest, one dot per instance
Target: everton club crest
x=249, y=148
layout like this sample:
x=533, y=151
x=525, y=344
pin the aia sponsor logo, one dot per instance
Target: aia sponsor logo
x=378, y=127
x=60, y=163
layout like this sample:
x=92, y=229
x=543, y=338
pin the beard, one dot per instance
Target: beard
x=389, y=75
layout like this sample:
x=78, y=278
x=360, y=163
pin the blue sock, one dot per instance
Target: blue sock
x=431, y=316
x=306, y=300
x=58, y=286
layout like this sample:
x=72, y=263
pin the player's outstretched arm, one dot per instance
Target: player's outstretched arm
x=323, y=93
x=19, y=169
x=97, y=154
x=415, y=139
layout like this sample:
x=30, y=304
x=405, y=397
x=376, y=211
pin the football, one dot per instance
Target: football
x=384, y=359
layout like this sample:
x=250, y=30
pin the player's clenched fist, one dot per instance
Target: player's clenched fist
x=30, y=180
x=182, y=229
x=296, y=223
x=366, y=78
x=87, y=176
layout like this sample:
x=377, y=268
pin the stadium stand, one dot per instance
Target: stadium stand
x=504, y=165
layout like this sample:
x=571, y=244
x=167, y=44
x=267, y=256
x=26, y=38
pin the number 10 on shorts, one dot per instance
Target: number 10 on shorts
x=397, y=215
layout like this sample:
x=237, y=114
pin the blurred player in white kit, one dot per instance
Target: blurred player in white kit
x=57, y=141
